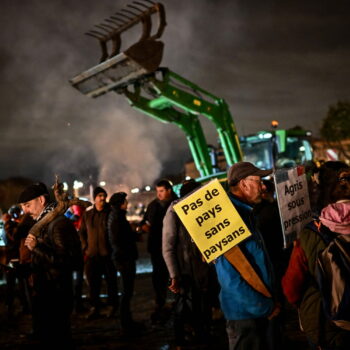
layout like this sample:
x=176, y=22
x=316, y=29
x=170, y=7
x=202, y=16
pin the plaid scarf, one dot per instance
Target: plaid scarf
x=46, y=210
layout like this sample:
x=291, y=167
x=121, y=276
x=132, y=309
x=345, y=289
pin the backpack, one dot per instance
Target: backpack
x=333, y=275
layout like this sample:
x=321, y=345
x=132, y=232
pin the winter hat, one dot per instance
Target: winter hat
x=336, y=217
x=188, y=186
x=99, y=190
x=242, y=170
x=117, y=199
x=33, y=191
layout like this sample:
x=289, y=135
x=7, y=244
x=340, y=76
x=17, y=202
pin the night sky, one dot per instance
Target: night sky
x=284, y=60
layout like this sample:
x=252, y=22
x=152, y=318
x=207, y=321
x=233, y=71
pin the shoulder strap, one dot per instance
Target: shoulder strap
x=321, y=230
x=238, y=260
x=314, y=225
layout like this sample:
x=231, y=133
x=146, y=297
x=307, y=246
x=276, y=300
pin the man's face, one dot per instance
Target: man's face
x=252, y=188
x=344, y=176
x=163, y=193
x=100, y=199
x=124, y=205
x=34, y=207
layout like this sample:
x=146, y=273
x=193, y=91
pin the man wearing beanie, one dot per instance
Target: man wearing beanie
x=97, y=250
x=52, y=252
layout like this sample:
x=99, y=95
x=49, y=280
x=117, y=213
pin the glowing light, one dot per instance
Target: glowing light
x=188, y=178
x=148, y=188
x=77, y=184
x=65, y=186
x=102, y=183
x=135, y=190
x=274, y=123
x=302, y=148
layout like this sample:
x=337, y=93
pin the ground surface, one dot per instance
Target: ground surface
x=105, y=333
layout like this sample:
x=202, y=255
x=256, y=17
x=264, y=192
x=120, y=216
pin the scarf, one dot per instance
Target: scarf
x=336, y=217
x=46, y=210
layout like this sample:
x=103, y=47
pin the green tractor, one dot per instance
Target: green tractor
x=277, y=148
x=170, y=98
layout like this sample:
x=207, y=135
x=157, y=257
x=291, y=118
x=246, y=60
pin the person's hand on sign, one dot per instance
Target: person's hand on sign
x=174, y=285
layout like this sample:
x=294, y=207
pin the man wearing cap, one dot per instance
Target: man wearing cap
x=247, y=310
x=52, y=253
x=96, y=248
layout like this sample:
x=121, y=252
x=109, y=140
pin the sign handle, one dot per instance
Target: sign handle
x=238, y=260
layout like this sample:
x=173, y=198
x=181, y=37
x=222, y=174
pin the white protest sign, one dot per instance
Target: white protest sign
x=293, y=201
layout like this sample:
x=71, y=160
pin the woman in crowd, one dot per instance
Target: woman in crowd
x=300, y=282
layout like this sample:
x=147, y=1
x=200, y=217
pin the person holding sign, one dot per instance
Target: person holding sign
x=189, y=275
x=247, y=310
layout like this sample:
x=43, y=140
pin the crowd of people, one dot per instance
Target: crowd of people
x=94, y=244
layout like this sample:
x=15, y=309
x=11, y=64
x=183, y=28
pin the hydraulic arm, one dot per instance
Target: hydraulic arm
x=170, y=90
x=188, y=122
x=157, y=92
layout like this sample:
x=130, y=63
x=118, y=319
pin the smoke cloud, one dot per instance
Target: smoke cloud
x=266, y=59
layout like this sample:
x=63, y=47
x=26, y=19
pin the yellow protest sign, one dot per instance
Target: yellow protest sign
x=212, y=221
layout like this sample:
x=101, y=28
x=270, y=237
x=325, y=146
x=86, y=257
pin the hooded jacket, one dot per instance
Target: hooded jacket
x=122, y=238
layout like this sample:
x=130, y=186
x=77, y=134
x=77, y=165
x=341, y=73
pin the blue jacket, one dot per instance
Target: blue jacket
x=238, y=300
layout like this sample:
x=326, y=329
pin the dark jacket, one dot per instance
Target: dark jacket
x=154, y=216
x=52, y=266
x=121, y=237
x=93, y=232
x=268, y=223
x=53, y=256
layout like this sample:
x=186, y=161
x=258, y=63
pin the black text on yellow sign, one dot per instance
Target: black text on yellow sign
x=212, y=221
